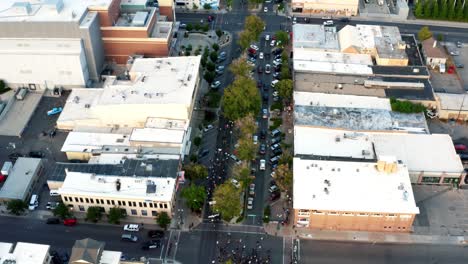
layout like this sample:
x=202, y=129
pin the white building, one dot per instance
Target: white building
x=137, y=196
x=44, y=63
x=197, y=4
x=24, y=253
x=326, y=7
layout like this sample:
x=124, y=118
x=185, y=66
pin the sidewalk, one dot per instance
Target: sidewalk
x=364, y=237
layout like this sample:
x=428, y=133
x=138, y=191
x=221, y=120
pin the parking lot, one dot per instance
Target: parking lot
x=461, y=58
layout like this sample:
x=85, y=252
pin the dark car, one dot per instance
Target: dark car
x=252, y=51
x=152, y=244
x=210, y=18
x=36, y=154
x=275, y=140
x=463, y=156
x=344, y=20
x=263, y=134
x=262, y=149
x=275, y=196
x=259, y=69
x=277, y=151
x=156, y=234
x=259, y=84
x=204, y=152
x=265, y=97
x=53, y=221
x=277, y=51
x=14, y=156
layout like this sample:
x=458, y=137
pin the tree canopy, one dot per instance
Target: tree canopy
x=194, y=197
x=285, y=88
x=283, y=37
x=284, y=177
x=163, y=220
x=195, y=171
x=247, y=149
x=424, y=33
x=247, y=125
x=241, y=98
x=94, y=213
x=62, y=211
x=243, y=175
x=16, y=207
x=240, y=68
x=227, y=201
x=115, y=215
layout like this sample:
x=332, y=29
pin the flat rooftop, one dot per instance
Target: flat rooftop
x=332, y=57
x=420, y=152
x=170, y=136
x=351, y=187
x=40, y=46
x=87, y=141
x=359, y=119
x=47, y=10
x=401, y=88
x=79, y=183
x=341, y=100
x=133, y=153
x=453, y=102
x=169, y=80
x=20, y=178
x=331, y=67
x=25, y=253
x=129, y=168
x=319, y=37
x=401, y=71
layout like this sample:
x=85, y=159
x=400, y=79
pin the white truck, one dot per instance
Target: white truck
x=6, y=168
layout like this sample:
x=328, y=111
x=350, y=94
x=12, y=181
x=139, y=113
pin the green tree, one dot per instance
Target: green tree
x=209, y=76
x=247, y=125
x=195, y=171
x=197, y=27
x=189, y=27
x=285, y=88
x=245, y=38
x=284, y=177
x=115, y=215
x=213, y=56
x=241, y=98
x=17, y=206
x=285, y=73
x=282, y=36
x=197, y=141
x=163, y=220
x=205, y=27
x=94, y=213
x=465, y=11
x=228, y=3
x=227, y=201
x=428, y=8
x=219, y=32
x=242, y=174
x=424, y=33
x=240, y=68
x=443, y=9
x=207, y=6
x=187, y=53
x=255, y=25
x=62, y=211
x=2, y=85
x=254, y=3
x=247, y=149
x=194, y=6
x=203, y=61
x=194, y=197
x=419, y=8
x=266, y=214
x=436, y=9
x=459, y=10
x=210, y=66
x=451, y=9
x=215, y=47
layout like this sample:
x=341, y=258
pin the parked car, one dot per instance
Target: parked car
x=268, y=68
x=273, y=43
x=273, y=83
x=250, y=201
x=463, y=156
x=203, y=153
x=52, y=205
x=265, y=9
x=277, y=75
x=208, y=128
x=460, y=65
x=36, y=154
x=459, y=44
x=129, y=238
x=261, y=56
x=54, y=193
x=275, y=196
x=254, y=47
x=262, y=149
x=156, y=233
x=277, y=51
x=344, y=20
x=263, y=134
x=328, y=23
x=152, y=244
x=277, y=151
x=275, y=146
x=267, y=37
x=454, y=53
x=265, y=113
x=69, y=221
x=53, y=221
x=255, y=139
x=219, y=69
x=252, y=189
x=274, y=160
x=262, y=164
x=215, y=85
x=275, y=133
x=54, y=111
x=131, y=227
x=235, y=183
x=460, y=147
x=275, y=140
x=259, y=69
x=273, y=189
x=252, y=51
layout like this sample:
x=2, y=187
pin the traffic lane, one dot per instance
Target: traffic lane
x=61, y=237
x=312, y=252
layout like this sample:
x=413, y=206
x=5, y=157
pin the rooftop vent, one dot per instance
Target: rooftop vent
x=150, y=187
x=117, y=185
x=326, y=190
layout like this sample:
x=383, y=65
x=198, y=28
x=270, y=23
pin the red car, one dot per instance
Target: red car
x=252, y=51
x=460, y=147
x=69, y=221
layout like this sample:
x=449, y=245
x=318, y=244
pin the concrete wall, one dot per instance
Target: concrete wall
x=119, y=49
x=362, y=221
x=94, y=47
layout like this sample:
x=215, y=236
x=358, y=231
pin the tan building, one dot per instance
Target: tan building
x=134, y=27
x=328, y=7
x=343, y=195
x=433, y=53
x=137, y=196
x=452, y=106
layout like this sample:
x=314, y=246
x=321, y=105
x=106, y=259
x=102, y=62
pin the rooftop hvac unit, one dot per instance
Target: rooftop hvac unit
x=365, y=152
x=337, y=139
x=117, y=185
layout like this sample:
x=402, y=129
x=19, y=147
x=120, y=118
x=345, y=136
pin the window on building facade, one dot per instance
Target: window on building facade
x=91, y=200
x=65, y=198
x=87, y=200
x=119, y=203
x=160, y=205
x=165, y=205
x=98, y=201
x=108, y=202
x=124, y=203
x=151, y=205
x=112, y=202
x=139, y=203
x=133, y=211
x=81, y=200
x=102, y=201
x=81, y=208
x=76, y=199
x=144, y=212
x=154, y=213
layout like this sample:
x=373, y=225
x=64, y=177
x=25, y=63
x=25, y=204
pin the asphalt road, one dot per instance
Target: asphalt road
x=322, y=252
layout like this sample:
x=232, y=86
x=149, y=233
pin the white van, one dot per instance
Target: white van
x=132, y=227
x=6, y=168
x=34, y=202
x=54, y=193
x=273, y=83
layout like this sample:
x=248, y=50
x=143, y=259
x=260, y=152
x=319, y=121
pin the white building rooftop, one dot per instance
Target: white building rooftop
x=452, y=101
x=151, y=188
x=331, y=67
x=351, y=187
x=47, y=10
x=89, y=141
x=40, y=46
x=318, y=37
x=110, y=257
x=420, y=152
x=332, y=57
x=24, y=253
x=341, y=100
x=157, y=135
